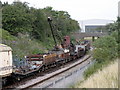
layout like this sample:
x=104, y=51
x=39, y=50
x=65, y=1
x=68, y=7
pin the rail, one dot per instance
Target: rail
x=55, y=74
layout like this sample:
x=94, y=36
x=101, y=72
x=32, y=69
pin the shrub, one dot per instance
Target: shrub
x=106, y=49
x=22, y=45
x=105, y=78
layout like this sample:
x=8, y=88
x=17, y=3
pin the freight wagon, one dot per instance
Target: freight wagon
x=5, y=62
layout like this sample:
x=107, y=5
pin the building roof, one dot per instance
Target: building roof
x=4, y=48
x=94, y=22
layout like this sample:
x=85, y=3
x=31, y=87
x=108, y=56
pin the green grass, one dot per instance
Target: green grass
x=105, y=78
x=6, y=35
x=23, y=45
x=95, y=67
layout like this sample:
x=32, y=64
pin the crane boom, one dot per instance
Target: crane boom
x=50, y=23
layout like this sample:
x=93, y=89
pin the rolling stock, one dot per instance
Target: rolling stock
x=38, y=62
x=5, y=62
x=61, y=54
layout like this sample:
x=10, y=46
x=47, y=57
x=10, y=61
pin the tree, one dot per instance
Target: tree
x=106, y=48
x=17, y=18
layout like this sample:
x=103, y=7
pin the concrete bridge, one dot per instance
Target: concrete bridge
x=93, y=35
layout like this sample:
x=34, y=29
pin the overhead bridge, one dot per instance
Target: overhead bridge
x=84, y=35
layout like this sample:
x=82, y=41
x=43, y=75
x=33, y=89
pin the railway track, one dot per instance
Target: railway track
x=55, y=74
x=31, y=84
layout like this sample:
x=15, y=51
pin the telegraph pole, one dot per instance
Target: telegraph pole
x=119, y=9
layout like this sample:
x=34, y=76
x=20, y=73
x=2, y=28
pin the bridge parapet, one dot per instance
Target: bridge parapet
x=83, y=35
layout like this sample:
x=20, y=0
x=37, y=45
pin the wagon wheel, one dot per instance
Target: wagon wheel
x=18, y=78
x=43, y=68
x=4, y=81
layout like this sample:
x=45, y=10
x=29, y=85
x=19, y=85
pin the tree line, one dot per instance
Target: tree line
x=108, y=47
x=18, y=18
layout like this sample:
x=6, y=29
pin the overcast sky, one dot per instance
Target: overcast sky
x=80, y=9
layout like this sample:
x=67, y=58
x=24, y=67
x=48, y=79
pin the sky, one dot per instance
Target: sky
x=80, y=9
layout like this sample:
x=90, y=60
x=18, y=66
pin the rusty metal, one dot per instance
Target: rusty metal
x=35, y=57
x=51, y=58
x=36, y=83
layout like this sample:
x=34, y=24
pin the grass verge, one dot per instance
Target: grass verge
x=23, y=45
x=105, y=78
